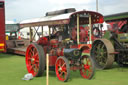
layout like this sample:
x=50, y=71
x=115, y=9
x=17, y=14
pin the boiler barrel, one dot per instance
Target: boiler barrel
x=72, y=53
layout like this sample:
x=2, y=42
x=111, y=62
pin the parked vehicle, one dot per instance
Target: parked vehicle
x=113, y=45
x=2, y=27
x=68, y=43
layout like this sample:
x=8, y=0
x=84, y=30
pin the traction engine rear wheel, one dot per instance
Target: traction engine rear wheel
x=101, y=53
x=87, y=67
x=35, y=59
x=62, y=69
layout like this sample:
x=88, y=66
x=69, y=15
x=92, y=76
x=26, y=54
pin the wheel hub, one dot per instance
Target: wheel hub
x=32, y=59
x=60, y=69
x=86, y=67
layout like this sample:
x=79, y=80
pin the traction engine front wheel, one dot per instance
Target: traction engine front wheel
x=87, y=67
x=62, y=69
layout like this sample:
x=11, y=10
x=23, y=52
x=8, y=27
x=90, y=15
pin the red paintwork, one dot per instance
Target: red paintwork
x=84, y=47
x=16, y=51
x=60, y=51
x=74, y=68
x=54, y=53
x=119, y=25
x=43, y=41
x=94, y=19
x=52, y=60
x=114, y=53
x=1, y=47
x=2, y=28
x=54, y=43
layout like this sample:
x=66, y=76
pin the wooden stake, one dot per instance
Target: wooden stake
x=47, y=69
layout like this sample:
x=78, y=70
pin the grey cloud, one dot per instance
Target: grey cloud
x=112, y=7
x=24, y=9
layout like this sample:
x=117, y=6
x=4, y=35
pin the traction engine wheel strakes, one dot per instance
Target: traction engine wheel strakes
x=101, y=53
x=35, y=61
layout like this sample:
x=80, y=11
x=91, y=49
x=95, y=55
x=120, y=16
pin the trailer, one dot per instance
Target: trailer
x=15, y=43
x=2, y=27
x=9, y=41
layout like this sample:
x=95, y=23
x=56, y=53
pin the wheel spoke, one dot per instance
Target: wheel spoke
x=31, y=53
x=65, y=74
x=61, y=73
x=36, y=55
x=102, y=46
x=85, y=72
x=90, y=70
x=29, y=58
x=101, y=54
x=63, y=65
x=88, y=60
x=36, y=61
x=59, y=63
x=31, y=68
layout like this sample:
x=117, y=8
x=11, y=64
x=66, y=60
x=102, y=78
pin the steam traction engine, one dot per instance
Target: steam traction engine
x=113, y=46
x=68, y=44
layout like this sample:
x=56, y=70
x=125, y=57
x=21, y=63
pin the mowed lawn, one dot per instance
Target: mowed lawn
x=13, y=68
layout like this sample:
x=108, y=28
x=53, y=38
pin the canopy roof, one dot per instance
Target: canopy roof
x=115, y=17
x=63, y=19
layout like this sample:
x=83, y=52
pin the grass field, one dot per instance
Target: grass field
x=12, y=69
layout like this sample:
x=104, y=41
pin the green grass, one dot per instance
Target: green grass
x=12, y=69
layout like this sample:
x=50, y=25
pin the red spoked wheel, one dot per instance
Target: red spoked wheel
x=62, y=69
x=35, y=59
x=87, y=67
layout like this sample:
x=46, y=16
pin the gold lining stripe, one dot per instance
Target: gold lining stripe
x=1, y=44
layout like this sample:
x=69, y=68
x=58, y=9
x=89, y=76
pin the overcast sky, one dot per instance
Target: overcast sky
x=25, y=9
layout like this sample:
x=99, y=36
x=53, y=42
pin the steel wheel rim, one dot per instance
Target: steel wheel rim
x=61, y=69
x=108, y=58
x=86, y=69
x=32, y=60
x=101, y=54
